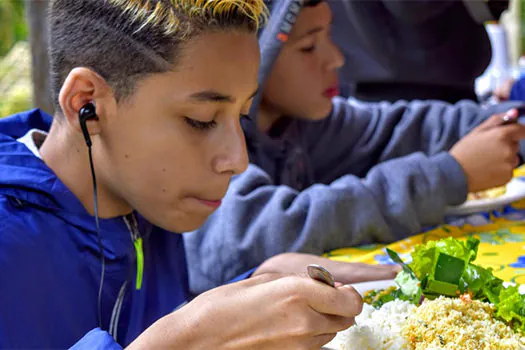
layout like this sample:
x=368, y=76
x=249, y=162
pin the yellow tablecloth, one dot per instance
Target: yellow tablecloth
x=502, y=236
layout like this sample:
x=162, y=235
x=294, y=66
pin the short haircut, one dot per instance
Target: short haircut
x=125, y=40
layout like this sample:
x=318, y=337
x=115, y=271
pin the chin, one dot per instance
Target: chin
x=320, y=111
x=187, y=224
x=181, y=227
x=178, y=223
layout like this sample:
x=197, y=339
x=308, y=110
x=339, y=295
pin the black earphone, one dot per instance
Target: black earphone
x=89, y=112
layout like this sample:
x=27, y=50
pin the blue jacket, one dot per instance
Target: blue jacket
x=50, y=263
x=517, y=93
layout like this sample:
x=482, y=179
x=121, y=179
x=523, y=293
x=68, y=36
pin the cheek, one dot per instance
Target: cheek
x=145, y=164
x=300, y=93
x=169, y=168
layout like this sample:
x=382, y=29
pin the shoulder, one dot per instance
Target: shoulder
x=22, y=230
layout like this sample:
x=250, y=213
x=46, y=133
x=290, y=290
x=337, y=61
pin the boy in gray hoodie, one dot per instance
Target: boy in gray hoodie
x=376, y=173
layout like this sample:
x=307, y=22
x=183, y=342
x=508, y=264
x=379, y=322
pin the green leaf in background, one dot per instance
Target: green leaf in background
x=13, y=25
x=16, y=92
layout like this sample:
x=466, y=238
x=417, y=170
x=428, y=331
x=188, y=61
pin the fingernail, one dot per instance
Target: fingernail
x=513, y=112
x=509, y=117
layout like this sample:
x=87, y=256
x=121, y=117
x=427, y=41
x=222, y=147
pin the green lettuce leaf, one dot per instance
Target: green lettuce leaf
x=482, y=283
x=511, y=308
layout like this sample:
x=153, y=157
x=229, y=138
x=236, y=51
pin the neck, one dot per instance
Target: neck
x=66, y=153
x=267, y=117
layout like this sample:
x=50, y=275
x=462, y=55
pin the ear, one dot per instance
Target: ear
x=83, y=86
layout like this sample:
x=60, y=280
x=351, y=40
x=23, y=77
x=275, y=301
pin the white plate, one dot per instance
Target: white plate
x=362, y=288
x=515, y=191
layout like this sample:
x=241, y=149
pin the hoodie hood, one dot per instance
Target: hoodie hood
x=279, y=153
x=271, y=39
x=27, y=180
x=26, y=177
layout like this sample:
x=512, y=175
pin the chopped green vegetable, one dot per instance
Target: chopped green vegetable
x=441, y=288
x=448, y=269
x=408, y=284
x=393, y=255
x=425, y=255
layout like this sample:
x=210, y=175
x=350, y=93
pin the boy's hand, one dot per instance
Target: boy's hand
x=264, y=312
x=489, y=153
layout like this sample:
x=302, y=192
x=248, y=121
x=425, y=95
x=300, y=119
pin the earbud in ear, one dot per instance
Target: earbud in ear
x=86, y=113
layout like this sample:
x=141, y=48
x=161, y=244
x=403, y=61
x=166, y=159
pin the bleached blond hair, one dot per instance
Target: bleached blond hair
x=124, y=40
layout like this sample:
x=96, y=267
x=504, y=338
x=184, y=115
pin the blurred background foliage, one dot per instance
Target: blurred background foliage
x=15, y=58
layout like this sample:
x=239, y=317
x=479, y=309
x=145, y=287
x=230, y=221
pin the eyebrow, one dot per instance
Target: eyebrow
x=215, y=96
x=310, y=32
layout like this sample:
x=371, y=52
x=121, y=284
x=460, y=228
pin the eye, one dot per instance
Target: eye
x=308, y=49
x=198, y=125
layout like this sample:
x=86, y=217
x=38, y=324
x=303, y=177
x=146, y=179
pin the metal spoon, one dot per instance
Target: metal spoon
x=319, y=273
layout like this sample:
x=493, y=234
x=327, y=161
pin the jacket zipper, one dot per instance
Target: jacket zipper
x=133, y=227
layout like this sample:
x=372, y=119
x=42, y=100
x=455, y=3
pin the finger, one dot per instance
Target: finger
x=328, y=324
x=508, y=153
x=510, y=117
x=359, y=272
x=497, y=119
x=319, y=340
x=346, y=272
x=513, y=132
x=341, y=301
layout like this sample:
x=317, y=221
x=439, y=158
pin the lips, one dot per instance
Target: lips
x=331, y=92
x=211, y=203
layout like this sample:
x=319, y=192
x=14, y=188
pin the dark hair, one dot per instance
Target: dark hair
x=124, y=40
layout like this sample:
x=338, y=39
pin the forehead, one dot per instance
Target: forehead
x=223, y=61
x=312, y=17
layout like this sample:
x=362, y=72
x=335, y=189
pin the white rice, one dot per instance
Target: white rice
x=376, y=329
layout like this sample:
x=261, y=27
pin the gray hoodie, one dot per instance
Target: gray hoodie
x=374, y=173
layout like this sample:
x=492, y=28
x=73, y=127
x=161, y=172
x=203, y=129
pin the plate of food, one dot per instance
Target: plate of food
x=440, y=300
x=491, y=199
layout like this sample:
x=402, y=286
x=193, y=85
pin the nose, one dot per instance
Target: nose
x=233, y=156
x=335, y=58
